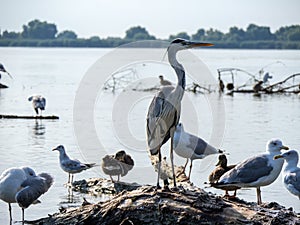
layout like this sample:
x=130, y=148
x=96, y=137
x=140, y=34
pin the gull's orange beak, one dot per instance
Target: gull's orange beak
x=284, y=147
x=278, y=156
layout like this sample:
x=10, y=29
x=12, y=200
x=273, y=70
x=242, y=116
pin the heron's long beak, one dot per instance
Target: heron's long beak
x=199, y=44
x=284, y=147
x=55, y=149
x=278, y=156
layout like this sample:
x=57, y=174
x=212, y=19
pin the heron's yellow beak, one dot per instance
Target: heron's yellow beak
x=284, y=147
x=278, y=156
x=199, y=44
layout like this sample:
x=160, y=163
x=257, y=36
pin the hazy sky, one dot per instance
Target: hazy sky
x=161, y=18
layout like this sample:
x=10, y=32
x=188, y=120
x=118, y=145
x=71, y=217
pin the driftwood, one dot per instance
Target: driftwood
x=29, y=117
x=3, y=86
x=186, y=205
x=135, y=204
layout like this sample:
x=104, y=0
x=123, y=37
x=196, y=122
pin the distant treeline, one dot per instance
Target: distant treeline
x=44, y=34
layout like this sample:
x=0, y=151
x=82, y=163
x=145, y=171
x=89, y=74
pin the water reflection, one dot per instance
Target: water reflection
x=39, y=128
x=70, y=199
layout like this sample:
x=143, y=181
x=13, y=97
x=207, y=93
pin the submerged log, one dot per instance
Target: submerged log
x=3, y=86
x=29, y=117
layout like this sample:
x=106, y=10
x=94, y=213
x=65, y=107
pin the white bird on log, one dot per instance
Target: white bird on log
x=71, y=166
x=23, y=186
x=164, y=110
x=291, y=173
x=38, y=102
x=257, y=171
x=191, y=147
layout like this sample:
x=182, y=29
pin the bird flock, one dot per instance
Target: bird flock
x=22, y=185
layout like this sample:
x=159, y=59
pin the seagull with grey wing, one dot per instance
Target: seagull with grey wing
x=71, y=166
x=291, y=173
x=38, y=103
x=23, y=186
x=191, y=147
x=257, y=171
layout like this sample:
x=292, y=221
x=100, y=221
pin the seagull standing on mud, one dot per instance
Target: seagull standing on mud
x=71, y=166
x=23, y=186
x=164, y=110
x=191, y=147
x=291, y=173
x=38, y=102
x=257, y=171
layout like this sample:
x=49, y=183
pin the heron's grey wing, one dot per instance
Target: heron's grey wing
x=161, y=116
x=33, y=189
x=293, y=179
x=248, y=171
x=43, y=102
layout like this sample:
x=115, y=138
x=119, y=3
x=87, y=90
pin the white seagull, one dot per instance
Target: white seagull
x=257, y=171
x=23, y=186
x=291, y=173
x=71, y=166
x=191, y=147
x=38, y=102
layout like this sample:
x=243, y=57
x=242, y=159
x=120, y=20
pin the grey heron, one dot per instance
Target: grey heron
x=38, y=102
x=191, y=147
x=257, y=171
x=23, y=186
x=291, y=173
x=164, y=110
x=117, y=165
x=71, y=166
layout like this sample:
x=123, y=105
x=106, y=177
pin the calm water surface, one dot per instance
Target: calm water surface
x=56, y=73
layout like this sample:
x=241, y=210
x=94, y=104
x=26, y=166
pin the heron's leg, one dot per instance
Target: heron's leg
x=258, y=193
x=158, y=170
x=171, y=155
x=118, y=177
x=23, y=216
x=187, y=160
x=234, y=193
x=69, y=178
x=190, y=169
x=111, y=178
x=9, y=209
x=72, y=177
x=36, y=111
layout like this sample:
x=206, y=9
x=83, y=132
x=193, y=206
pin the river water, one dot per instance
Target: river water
x=240, y=124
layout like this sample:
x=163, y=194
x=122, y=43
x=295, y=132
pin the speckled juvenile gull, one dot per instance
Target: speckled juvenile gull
x=291, y=173
x=38, y=103
x=257, y=171
x=191, y=147
x=23, y=186
x=71, y=166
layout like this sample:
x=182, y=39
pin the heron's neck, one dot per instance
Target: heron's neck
x=178, y=68
x=291, y=165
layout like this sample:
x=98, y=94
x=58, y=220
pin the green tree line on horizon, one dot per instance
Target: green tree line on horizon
x=43, y=34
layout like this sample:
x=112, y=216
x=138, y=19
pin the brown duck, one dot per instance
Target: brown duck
x=117, y=165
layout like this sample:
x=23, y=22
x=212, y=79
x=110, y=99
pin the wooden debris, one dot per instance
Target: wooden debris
x=29, y=117
x=146, y=205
